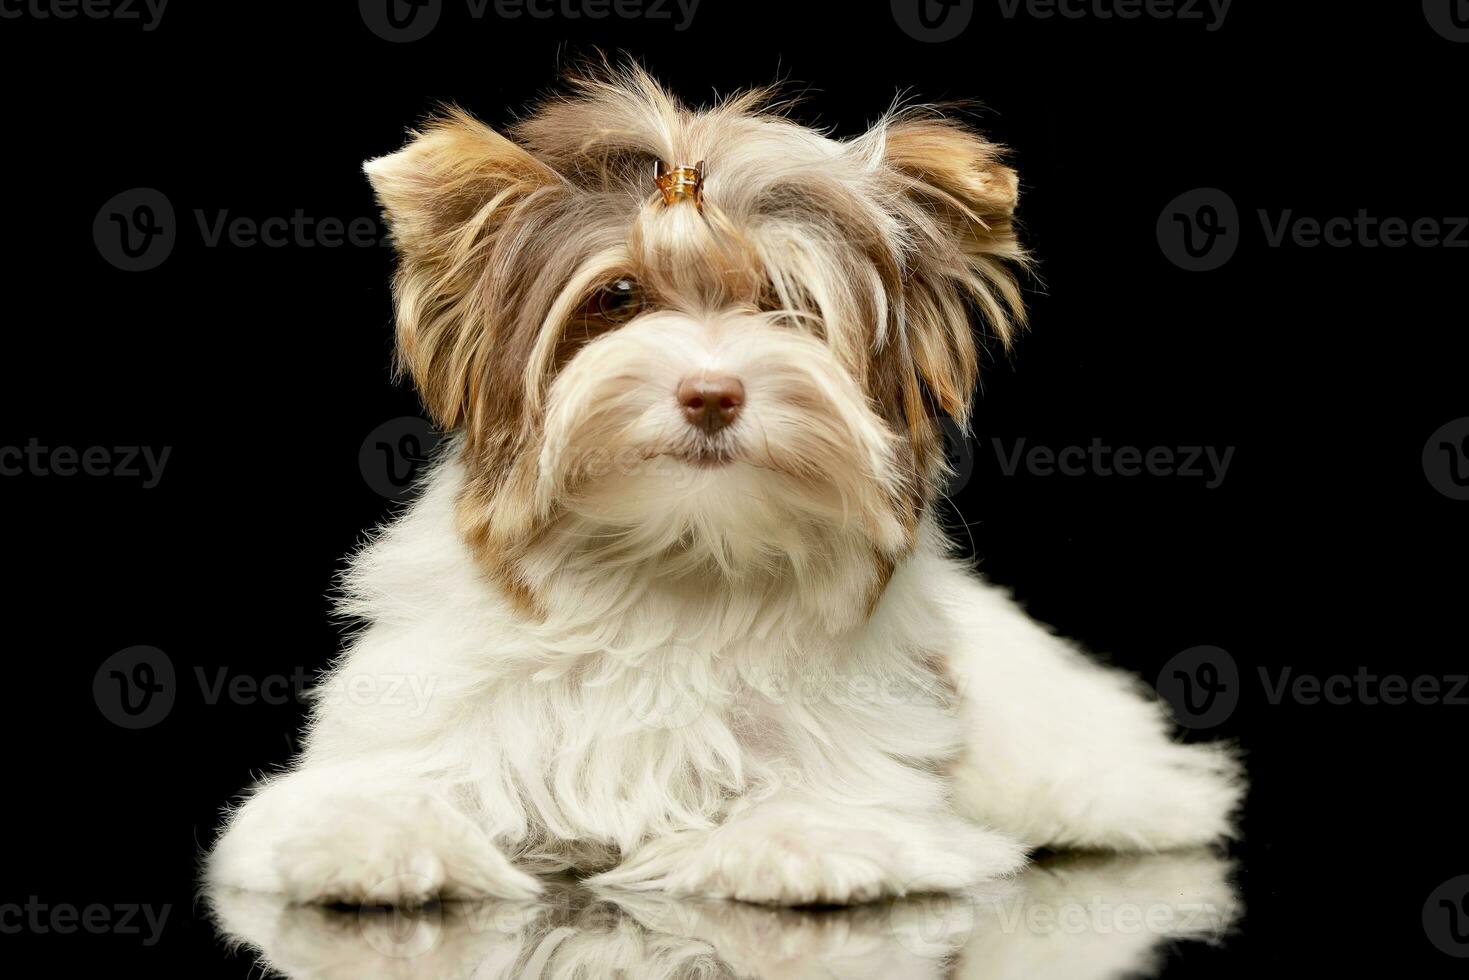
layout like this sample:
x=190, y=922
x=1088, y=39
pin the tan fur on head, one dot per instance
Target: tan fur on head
x=857, y=262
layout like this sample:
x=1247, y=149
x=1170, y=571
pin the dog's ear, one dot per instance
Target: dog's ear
x=449, y=196
x=957, y=203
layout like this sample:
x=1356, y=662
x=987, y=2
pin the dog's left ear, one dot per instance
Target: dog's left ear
x=957, y=202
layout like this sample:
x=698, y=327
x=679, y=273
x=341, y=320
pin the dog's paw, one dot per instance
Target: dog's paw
x=790, y=865
x=391, y=850
x=792, y=855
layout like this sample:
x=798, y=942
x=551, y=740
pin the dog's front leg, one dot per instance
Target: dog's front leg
x=358, y=833
x=798, y=849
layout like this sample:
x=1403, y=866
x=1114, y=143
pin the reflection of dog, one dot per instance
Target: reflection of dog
x=675, y=582
x=1069, y=919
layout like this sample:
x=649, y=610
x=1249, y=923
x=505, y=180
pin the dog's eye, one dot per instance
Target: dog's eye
x=618, y=301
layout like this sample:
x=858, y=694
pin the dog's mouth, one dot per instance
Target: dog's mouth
x=701, y=451
x=706, y=455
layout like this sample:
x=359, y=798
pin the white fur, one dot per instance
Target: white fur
x=731, y=743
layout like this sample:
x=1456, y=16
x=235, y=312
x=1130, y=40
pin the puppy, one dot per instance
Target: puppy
x=672, y=608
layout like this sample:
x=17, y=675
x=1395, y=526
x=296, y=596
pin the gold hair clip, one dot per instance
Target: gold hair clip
x=680, y=183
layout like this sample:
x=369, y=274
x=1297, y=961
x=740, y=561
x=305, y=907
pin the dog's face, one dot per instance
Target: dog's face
x=728, y=377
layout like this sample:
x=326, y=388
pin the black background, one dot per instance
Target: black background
x=1325, y=548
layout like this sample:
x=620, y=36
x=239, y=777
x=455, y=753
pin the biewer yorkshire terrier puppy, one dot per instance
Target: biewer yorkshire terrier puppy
x=673, y=596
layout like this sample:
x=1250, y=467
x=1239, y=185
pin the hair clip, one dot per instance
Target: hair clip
x=680, y=183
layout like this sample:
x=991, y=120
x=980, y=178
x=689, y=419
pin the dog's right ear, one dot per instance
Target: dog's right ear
x=448, y=172
x=450, y=197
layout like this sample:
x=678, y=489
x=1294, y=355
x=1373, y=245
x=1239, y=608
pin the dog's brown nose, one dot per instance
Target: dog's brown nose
x=711, y=402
